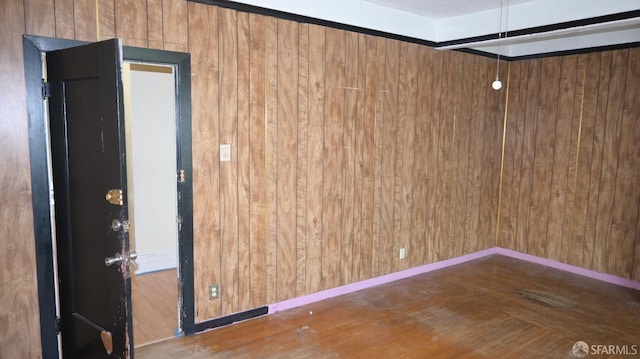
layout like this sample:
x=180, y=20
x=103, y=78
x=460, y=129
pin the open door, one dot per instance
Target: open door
x=89, y=177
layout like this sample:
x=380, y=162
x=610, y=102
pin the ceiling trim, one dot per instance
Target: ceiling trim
x=311, y=20
x=546, y=28
x=490, y=37
x=571, y=52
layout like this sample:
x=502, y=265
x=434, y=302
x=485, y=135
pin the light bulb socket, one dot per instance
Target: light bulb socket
x=496, y=85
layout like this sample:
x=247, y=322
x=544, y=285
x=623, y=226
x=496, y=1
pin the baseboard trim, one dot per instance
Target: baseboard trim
x=153, y=262
x=609, y=278
x=330, y=293
x=333, y=292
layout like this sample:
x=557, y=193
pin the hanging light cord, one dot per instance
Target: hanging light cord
x=499, y=38
x=497, y=84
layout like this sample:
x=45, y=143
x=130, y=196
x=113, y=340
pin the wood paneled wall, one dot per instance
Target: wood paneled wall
x=572, y=161
x=19, y=319
x=345, y=148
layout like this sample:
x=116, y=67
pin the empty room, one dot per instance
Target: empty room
x=319, y=179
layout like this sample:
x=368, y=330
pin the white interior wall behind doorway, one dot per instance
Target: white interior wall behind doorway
x=151, y=165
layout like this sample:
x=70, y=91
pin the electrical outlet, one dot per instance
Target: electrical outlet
x=402, y=253
x=214, y=291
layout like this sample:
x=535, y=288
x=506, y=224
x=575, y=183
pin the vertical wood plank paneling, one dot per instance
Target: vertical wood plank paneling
x=155, y=24
x=174, y=25
x=364, y=169
x=377, y=155
x=506, y=233
x=635, y=275
x=627, y=192
x=348, y=161
x=578, y=242
x=244, y=166
x=131, y=22
x=257, y=151
x=439, y=121
x=388, y=158
x=562, y=148
x=583, y=158
x=489, y=156
x=366, y=158
x=528, y=155
x=572, y=169
x=19, y=320
x=631, y=158
x=398, y=182
x=286, y=158
x=475, y=150
x=609, y=167
x=271, y=123
x=524, y=163
x=347, y=147
x=64, y=19
x=107, y=19
x=39, y=17
x=434, y=196
x=332, y=157
x=228, y=109
x=409, y=92
x=418, y=251
x=314, y=221
x=85, y=20
x=543, y=159
x=621, y=195
x=522, y=185
x=446, y=244
x=203, y=32
x=302, y=156
x=359, y=173
x=592, y=244
x=464, y=114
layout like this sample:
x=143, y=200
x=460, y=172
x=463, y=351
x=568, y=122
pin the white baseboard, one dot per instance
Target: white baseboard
x=151, y=262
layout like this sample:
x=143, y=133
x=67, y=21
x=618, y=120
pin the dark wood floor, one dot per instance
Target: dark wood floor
x=155, y=306
x=494, y=307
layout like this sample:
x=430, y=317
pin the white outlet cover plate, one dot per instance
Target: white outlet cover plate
x=225, y=153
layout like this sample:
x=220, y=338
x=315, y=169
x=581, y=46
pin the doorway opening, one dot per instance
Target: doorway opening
x=150, y=131
x=34, y=50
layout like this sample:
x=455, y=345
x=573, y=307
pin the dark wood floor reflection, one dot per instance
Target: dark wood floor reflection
x=494, y=307
x=155, y=306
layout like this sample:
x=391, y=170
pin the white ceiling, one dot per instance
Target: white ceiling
x=447, y=23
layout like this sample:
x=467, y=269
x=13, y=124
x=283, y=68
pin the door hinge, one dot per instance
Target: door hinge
x=58, y=325
x=46, y=89
x=181, y=176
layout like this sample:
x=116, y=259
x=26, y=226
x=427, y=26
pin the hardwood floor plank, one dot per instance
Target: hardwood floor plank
x=155, y=306
x=495, y=306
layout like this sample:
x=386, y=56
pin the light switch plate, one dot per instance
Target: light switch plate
x=225, y=153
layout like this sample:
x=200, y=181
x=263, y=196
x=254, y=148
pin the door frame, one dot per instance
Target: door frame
x=34, y=48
